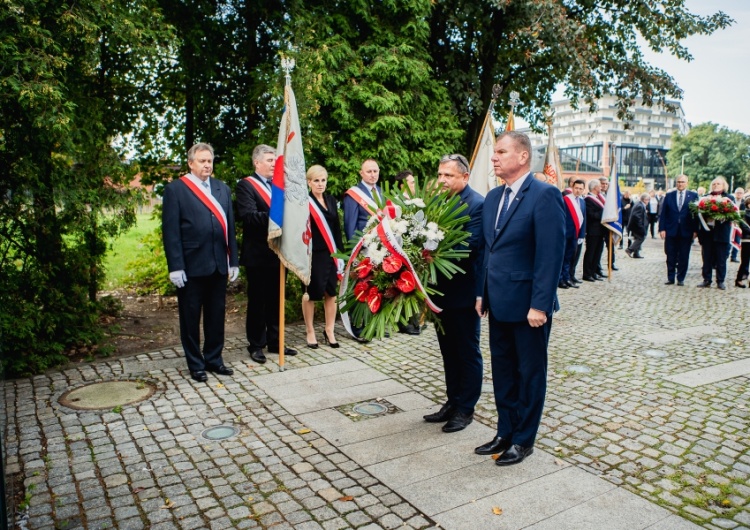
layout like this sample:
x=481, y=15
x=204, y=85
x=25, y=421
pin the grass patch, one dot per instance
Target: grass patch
x=125, y=248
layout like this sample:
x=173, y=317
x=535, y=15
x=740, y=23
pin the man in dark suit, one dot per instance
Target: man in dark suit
x=607, y=237
x=459, y=339
x=574, y=222
x=638, y=226
x=261, y=264
x=523, y=225
x=581, y=234
x=201, y=251
x=678, y=228
x=592, y=257
x=360, y=200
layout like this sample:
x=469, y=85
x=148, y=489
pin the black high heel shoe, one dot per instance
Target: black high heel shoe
x=312, y=346
x=738, y=283
x=328, y=341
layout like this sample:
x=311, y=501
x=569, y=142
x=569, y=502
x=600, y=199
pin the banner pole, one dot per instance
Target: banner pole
x=479, y=138
x=282, y=296
x=610, y=250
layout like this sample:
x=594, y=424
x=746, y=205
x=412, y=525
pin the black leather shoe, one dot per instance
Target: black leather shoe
x=704, y=284
x=312, y=345
x=572, y=285
x=738, y=283
x=287, y=351
x=444, y=414
x=220, y=370
x=629, y=252
x=637, y=256
x=562, y=285
x=722, y=286
x=599, y=278
x=669, y=282
x=575, y=280
x=514, y=455
x=615, y=268
x=680, y=284
x=458, y=422
x=493, y=447
x=258, y=356
x=412, y=330
x=588, y=279
x=199, y=376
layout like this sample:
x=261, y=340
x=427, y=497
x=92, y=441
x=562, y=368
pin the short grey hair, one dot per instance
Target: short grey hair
x=593, y=184
x=261, y=150
x=645, y=195
x=199, y=147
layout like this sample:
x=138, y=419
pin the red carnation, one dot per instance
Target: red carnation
x=702, y=203
x=360, y=290
x=392, y=264
x=374, y=297
x=364, y=268
x=406, y=283
x=714, y=208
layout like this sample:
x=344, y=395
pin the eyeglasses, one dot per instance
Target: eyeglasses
x=461, y=159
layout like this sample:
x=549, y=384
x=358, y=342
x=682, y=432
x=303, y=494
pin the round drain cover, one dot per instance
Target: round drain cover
x=579, y=369
x=370, y=409
x=107, y=395
x=220, y=432
x=655, y=353
x=719, y=340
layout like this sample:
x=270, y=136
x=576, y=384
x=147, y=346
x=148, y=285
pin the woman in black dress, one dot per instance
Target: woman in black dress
x=326, y=238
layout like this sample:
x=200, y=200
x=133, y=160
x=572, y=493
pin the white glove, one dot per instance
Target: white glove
x=580, y=241
x=340, y=266
x=178, y=278
x=234, y=272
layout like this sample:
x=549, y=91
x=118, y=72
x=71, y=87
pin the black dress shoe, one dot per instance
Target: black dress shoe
x=199, y=376
x=669, y=282
x=615, y=268
x=722, y=286
x=629, y=252
x=637, y=256
x=588, y=279
x=444, y=414
x=220, y=370
x=680, y=283
x=572, y=285
x=575, y=280
x=704, y=284
x=514, y=455
x=258, y=356
x=412, y=330
x=738, y=283
x=562, y=285
x=599, y=278
x=458, y=422
x=495, y=446
x=287, y=351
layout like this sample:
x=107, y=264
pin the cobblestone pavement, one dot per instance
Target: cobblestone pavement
x=611, y=410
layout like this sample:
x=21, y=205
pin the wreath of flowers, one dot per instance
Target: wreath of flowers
x=393, y=268
x=716, y=208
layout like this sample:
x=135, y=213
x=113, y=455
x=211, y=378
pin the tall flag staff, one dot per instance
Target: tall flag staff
x=612, y=213
x=481, y=173
x=289, y=219
x=552, y=166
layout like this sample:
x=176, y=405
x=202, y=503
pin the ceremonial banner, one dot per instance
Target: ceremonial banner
x=612, y=214
x=289, y=224
x=482, y=175
x=552, y=166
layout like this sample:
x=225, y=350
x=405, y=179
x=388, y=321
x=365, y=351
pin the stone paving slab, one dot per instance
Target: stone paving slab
x=683, y=333
x=713, y=374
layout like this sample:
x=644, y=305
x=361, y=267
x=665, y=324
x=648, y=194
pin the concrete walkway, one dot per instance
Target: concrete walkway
x=645, y=426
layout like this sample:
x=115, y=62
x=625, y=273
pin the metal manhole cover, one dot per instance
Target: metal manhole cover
x=220, y=432
x=107, y=395
x=370, y=409
x=655, y=353
x=579, y=369
x=719, y=340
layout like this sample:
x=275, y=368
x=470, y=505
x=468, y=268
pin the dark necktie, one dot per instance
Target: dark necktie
x=680, y=198
x=503, y=207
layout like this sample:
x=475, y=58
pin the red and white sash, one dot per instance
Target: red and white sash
x=260, y=188
x=596, y=198
x=317, y=216
x=575, y=211
x=211, y=203
x=363, y=199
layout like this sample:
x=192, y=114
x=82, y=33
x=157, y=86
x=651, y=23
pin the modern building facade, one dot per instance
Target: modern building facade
x=588, y=141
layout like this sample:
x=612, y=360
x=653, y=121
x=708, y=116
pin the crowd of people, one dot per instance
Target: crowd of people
x=518, y=233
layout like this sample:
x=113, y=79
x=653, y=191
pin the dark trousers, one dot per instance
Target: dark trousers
x=592, y=256
x=607, y=238
x=206, y=295
x=262, y=324
x=677, y=249
x=635, y=245
x=652, y=219
x=744, y=271
x=519, y=377
x=462, y=358
x=714, y=254
x=571, y=244
x=574, y=260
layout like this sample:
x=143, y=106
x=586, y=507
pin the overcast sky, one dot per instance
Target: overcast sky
x=716, y=82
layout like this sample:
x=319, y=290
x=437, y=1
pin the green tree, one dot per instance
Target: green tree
x=73, y=78
x=710, y=150
x=592, y=47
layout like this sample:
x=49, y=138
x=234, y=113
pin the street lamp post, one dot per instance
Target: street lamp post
x=682, y=166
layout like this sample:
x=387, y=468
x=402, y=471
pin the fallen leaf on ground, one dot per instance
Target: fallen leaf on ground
x=495, y=456
x=346, y=498
x=303, y=431
x=168, y=505
x=220, y=385
x=497, y=510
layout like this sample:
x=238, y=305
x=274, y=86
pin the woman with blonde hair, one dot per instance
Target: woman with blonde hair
x=326, y=239
x=714, y=237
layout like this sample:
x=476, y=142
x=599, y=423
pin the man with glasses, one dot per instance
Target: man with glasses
x=459, y=339
x=523, y=224
x=678, y=228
